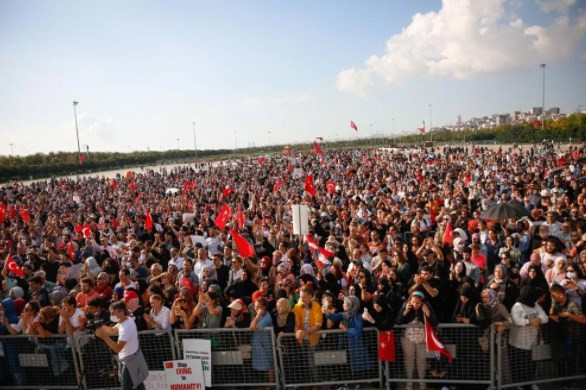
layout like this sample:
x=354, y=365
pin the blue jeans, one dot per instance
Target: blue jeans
x=127, y=381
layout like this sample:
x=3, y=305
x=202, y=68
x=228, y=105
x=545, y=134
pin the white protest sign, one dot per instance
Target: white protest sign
x=184, y=375
x=156, y=381
x=300, y=219
x=202, y=350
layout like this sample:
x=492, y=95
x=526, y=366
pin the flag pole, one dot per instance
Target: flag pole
x=77, y=132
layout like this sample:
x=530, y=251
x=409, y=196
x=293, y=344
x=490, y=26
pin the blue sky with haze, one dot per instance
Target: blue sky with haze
x=143, y=71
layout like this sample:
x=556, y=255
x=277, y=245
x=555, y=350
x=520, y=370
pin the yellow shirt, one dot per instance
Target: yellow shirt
x=315, y=318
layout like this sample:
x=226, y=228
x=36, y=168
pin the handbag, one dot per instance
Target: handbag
x=541, y=351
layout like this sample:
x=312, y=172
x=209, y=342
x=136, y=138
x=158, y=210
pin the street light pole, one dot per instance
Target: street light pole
x=194, y=142
x=430, y=124
x=77, y=131
x=543, y=99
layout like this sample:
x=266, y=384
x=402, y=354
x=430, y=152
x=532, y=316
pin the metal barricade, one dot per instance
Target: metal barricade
x=337, y=358
x=528, y=356
x=240, y=357
x=99, y=364
x=472, y=350
x=38, y=362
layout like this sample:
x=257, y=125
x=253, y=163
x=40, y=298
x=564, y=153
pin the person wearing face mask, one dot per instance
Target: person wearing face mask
x=134, y=369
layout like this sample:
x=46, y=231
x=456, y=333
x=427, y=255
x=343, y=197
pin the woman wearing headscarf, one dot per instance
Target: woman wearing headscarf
x=92, y=268
x=528, y=317
x=536, y=278
x=464, y=313
x=283, y=318
x=507, y=291
x=413, y=314
x=351, y=322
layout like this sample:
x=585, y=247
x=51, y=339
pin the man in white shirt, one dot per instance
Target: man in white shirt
x=213, y=242
x=134, y=367
x=176, y=260
x=202, y=263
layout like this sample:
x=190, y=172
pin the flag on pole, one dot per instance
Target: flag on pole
x=448, y=233
x=13, y=267
x=2, y=212
x=240, y=218
x=223, y=216
x=433, y=342
x=24, y=214
x=261, y=160
x=70, y=251
x=331, y=187
x=309, y=186
x=245, y=248
x=317, y=149
x=353, y=125
x=186, y=282
x=277, y=185
x=314, y=247
x=227, y=191
x=148, y=221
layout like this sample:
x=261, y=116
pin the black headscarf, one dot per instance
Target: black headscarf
x=529, y=295
x=383, y=320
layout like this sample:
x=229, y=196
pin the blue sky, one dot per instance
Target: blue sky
x=144, y=71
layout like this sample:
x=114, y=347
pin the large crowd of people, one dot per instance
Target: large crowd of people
x=401, y=236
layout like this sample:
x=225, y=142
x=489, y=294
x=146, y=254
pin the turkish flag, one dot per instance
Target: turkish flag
x=353, y=125
x=317, y=149
x=24, y=214
x=313, y=245
x=227, y=191
x=448, y=234
x=13, y=267
x=70, y=251
x=309, y=186
x=277, y=185
x=261, y=160
x=2, y=212
x=290, y=167
x=186, y=282
x=132, y=186
x=240, y=218
x=331, y=187
x=148, y=221
x=386, y=346
x=421, y=130
x=223, y=216
x=433, y=342
x=114, y=184
x=245, y=248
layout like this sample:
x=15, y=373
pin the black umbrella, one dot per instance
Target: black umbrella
x=505, y=210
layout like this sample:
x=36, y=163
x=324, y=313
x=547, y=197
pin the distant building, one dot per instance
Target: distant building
x=503, y=119
x=553, y=111
x=536, y=111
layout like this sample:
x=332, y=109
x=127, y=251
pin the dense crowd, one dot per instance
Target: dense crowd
x=400, y=232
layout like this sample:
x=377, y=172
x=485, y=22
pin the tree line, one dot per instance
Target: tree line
x=572, y=127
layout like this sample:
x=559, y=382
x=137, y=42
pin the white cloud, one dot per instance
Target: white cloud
x=465, y=38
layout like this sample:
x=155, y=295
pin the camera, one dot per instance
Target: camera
x=95, y=324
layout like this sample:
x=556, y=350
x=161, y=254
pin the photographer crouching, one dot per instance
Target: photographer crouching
x=134, y=369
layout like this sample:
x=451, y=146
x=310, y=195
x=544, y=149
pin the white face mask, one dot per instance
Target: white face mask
x=571, y=275
x=114, y=319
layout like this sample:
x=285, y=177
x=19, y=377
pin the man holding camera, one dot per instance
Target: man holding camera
x=133, y=370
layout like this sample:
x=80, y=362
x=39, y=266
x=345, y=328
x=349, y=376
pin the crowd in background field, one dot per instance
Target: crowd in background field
x=151, y=240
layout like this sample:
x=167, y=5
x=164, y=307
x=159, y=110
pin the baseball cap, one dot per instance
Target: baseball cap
x=130, y=294
x=237, y=304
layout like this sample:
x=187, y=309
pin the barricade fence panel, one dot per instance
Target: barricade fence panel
x=471, y=347
x=32, y=362
x=333, y=357
x=553, y=352
x=240, y=357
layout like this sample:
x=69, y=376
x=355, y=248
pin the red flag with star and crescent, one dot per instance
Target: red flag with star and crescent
x=13, y=267
x=24, y=214
x=309, y=186
x=227, y=191
x=245, y=248
x=223, y=216
x=2, y=212
x=433, y=342
x=317, y=149
x=148, y=221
